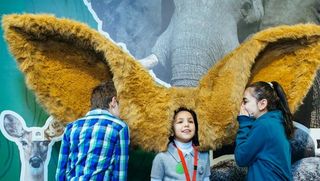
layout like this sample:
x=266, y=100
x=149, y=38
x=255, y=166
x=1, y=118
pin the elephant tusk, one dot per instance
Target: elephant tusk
x=149, y=62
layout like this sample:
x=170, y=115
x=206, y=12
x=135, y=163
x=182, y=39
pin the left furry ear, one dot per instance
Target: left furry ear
x=64, y=60
x=58, y=60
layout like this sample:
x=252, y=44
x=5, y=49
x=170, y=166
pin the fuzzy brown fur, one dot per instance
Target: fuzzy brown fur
x=64, y=60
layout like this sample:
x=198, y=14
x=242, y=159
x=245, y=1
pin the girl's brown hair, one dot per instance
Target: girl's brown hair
x=277, y=99
x=195, y=139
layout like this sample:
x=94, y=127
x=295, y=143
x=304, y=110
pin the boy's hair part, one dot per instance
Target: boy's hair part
x=102, y=95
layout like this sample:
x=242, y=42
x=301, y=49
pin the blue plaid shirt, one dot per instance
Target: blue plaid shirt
x=94, y=148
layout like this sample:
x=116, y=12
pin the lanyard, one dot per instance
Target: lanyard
x=195, y=163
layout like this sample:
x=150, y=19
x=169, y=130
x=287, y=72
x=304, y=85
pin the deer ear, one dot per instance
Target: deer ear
x=13, y=124
x=53, y=128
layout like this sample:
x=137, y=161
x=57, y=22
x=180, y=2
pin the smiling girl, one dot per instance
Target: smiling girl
x=265, y=127
x=182, y=160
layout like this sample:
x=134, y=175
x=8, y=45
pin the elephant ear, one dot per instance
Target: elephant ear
x=286, y=54
x=64, y=60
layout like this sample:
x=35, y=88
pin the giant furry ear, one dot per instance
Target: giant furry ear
x=59, y=61
x=286, y=54
x=64, y=60
x=292, y=61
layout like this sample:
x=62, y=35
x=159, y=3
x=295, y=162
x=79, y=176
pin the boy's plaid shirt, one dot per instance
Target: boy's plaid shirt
x=94, y=148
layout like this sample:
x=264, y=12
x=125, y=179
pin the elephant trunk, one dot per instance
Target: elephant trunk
x=191, y=60
x=187, y=68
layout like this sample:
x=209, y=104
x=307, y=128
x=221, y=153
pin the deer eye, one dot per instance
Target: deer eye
x=24, y=143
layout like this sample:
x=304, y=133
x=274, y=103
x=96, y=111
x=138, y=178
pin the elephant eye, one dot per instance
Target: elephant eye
x=247, y=6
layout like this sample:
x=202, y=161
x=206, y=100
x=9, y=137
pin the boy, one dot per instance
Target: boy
x=96, y=146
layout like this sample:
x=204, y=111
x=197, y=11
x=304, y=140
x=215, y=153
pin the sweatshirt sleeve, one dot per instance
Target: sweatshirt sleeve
x=157, y=170
x=249, y=142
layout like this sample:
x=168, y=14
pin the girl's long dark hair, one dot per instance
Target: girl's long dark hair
x=277, y=99
x=195, y=139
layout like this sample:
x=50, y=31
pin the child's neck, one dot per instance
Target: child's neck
x=184, y=147
x=261, y=113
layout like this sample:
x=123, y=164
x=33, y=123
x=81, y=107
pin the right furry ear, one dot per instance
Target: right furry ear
x=286, y=54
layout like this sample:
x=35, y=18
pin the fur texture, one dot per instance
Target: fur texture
x=64, y=60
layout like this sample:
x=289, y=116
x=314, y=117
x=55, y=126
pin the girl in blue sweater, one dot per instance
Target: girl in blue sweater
x=265, y=127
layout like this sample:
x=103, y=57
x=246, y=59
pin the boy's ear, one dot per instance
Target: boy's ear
x=113, y=102
x=262, y=104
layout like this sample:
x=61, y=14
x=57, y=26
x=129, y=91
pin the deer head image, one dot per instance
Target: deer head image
x=34, y=143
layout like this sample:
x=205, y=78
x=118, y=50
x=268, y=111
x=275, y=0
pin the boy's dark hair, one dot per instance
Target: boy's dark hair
x=276, y=97
x=102, y=95
x=195, y=139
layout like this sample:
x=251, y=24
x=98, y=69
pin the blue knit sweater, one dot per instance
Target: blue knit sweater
x=262, y=146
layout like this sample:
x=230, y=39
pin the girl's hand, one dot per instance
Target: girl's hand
x=243, y=111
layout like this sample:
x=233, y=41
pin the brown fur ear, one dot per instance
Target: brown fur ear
x=286, y=54
x=64, y=60
x=292, y=61
x=59, y=60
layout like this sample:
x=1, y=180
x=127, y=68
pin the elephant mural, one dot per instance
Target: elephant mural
x=290, y=12
x=147, y=29
x=199, y=34
x=135, y=23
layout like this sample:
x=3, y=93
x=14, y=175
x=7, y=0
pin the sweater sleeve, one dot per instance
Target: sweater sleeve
x=157, y=170
x=249, y=142
x=207, y=171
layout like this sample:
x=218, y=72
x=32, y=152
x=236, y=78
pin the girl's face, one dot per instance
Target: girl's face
x=184, y=127
x=253, y=107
